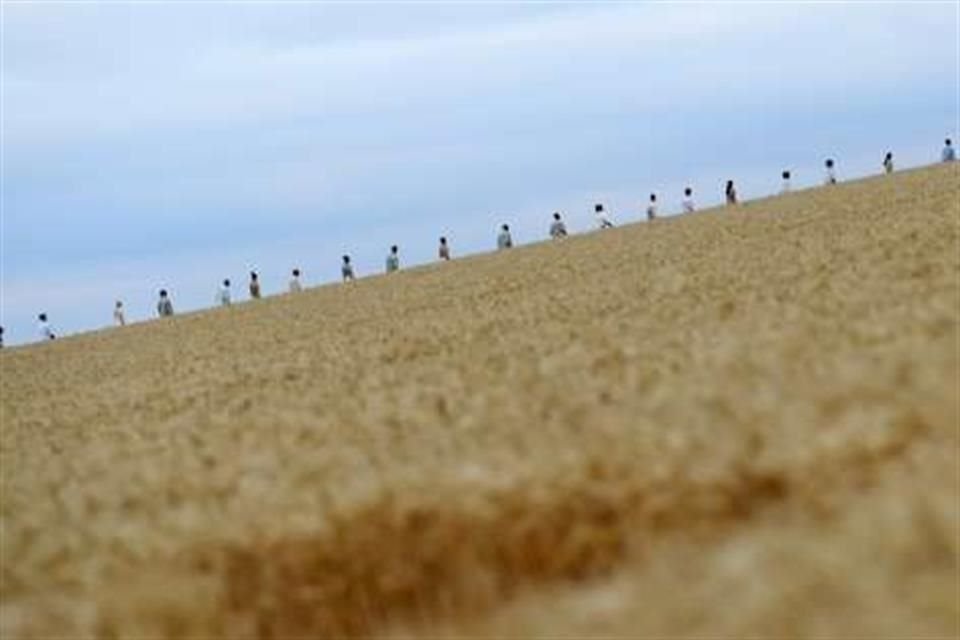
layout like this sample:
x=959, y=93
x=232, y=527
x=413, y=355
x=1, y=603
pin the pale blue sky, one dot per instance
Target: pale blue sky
x=173, y=145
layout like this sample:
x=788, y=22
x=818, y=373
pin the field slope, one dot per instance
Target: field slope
x=741, y=422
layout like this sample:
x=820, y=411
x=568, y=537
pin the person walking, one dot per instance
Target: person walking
x=949, y=153
x=730, y=193
x=689, y=206
x=346, y=270
x=888, y=163
x=652, y=207
x=46, y=331
x=223, y=294
x=830, y=176
x=557, y=228
x=603, y=221
x=393, y=259
x=785, y=186
x=295, y=286
x=118, y=316
x=164, y=305
x=443, y=251
x=504, y=239
x=254, y=285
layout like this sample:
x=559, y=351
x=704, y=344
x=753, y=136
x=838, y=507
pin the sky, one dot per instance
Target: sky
x=173, y=144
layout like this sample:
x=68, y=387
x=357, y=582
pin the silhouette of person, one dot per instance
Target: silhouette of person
x=118, y=316
x=557, y=228
x=393, y=259
x=164, y=305
x=504, y=239
x=346, y=270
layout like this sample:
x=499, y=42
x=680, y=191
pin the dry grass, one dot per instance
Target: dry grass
x=739, y=423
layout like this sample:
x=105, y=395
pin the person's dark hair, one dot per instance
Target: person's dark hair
x=226, y=283
x=729, y=185
x=253, y=275
x=949, y=142
x=653, y=197
x=163, y=293
x=505, y=227
x=889, y=155
x=346, y=258
x=829, y=162
x=598, y=208
x=443, y=240
x=556, y=215
x=42, y=317
x=688, y=191
x=393, y=249
x=296, y=272
x=786, y=175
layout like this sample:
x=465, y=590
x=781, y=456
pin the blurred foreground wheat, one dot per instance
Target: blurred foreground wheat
x=741, y=422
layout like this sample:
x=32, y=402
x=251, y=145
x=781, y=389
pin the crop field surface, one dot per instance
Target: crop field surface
x=740, y=422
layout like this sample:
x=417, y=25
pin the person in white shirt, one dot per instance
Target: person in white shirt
x=689, y=206
x=888, y=162
x=831, y=172
x=164, y=305
x=785, y=185
x=346, y=270
x=393, y=259
x=949, y=153
x=557, y=228
x=46, y=331
x=444, y=250
x=603, y=221
x=652, y=207
x=504, y=239
x=118, y=316
x=295, y=286
x=223, y=294
x=730, y=193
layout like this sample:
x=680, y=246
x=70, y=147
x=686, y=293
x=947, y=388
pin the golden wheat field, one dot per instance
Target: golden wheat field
x=737, y=423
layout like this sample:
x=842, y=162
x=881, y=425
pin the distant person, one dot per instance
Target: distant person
x=557, y=228
x=46, y=331
x=164, y=305
x=603, y=221
x=888, y=162
x=254, y=285
x=118, y=315
x=346, y=269
x=652, y=207
x=831, y=172
x=786, y=186
x=1, y=337
x=731, y=193
x=444, y=250
x=295, y=286
x=504, y=239
x=223, y=295
x=689, y=206
x=949, y=153
x=393, y=259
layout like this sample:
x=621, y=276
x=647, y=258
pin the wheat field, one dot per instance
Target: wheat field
x=736, y=423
